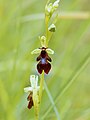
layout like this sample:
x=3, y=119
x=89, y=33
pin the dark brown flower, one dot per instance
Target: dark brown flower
x=29, y=98
x=44, y=60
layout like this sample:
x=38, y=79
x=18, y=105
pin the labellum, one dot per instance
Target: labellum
x=29, y=98
x=44, y=60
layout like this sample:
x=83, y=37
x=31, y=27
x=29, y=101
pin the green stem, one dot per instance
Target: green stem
x=46, y=22
x=41, y=88
x=41, y=85
x=36, y=104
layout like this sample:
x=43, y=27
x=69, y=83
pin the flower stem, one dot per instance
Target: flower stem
x=36, y=104
x=41, y=85
x=46, y=22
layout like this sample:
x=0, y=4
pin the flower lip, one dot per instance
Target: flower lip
x=44, y=60
x=30, y=99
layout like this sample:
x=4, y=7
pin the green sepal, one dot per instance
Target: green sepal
x=43, y=41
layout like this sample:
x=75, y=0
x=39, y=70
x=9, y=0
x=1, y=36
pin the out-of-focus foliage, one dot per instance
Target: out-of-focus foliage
x=71, y=61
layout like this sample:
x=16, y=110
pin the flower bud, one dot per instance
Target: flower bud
x=56, y=4
x=50, y=8
x=52, y=28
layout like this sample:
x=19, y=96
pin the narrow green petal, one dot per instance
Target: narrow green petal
x=36, y=51
x=50, y=51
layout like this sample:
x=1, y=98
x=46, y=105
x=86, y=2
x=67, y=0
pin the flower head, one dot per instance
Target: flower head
x=43, y=59
x=34, y=84
x=33, y=88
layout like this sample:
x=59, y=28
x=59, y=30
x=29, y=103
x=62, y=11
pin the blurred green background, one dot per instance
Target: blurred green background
x=69, y=79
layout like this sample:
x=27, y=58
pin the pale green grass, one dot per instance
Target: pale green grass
x=67, y=88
